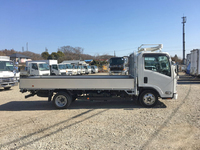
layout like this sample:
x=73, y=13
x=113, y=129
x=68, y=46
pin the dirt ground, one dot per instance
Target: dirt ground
x=34, y=123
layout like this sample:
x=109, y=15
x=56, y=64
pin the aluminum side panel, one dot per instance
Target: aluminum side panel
x=109, y=84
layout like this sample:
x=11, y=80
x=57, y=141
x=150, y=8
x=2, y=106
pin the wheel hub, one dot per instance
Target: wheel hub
x=149, y=99
x=61, y=101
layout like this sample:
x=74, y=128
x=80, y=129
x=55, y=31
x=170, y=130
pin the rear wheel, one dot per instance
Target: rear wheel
x=62, y=100
x=148, y=98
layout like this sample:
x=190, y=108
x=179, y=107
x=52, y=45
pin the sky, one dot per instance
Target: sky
x=99, y=26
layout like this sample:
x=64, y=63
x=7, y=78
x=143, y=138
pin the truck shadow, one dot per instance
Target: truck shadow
x=78, y=104
x=26, y=105
x=127, y=105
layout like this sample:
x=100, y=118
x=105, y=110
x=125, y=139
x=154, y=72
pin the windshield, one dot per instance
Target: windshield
x=158, y=64
x=43, y=67
x=61, y=67
x=68, y=66
x=75, y=67
x=6, y=66
x=117, y=61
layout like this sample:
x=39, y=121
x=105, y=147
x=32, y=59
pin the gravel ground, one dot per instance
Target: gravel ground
x=34, y=123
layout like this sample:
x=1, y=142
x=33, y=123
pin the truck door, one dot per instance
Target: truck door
x=156, y=74
x=34, y=69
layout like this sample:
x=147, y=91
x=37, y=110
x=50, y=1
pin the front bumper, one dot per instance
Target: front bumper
x=8, y=84
x=175, y=96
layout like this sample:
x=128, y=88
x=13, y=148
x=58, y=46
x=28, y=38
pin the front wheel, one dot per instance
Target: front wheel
x=148, y=98
x=62, y=100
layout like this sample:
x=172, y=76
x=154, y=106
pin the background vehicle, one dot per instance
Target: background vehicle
x=7, y=76
x=78, y=70
x=118, y=66
x=75, y=69
x=82, y=69
x=88, y=69
x=58, y=69
x=94, y=69
x=195, y=62
x=144, y=83
x=69, y=69
x=36, y=68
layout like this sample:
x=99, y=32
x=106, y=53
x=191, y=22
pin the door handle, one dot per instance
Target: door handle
x=145, y=80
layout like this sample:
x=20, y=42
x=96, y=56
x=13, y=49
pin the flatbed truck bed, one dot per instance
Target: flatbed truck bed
x=97, y=82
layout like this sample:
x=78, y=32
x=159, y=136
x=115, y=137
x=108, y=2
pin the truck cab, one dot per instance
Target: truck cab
x=88, y=69
x=69, y=69
x=82, y=69
x=38, y=69
x=58, y=69
x=75, y=69
x=7, y=76
x=118, y=66
x=94, y=69
x=156, y=72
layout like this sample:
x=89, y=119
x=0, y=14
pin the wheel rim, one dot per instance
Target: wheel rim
x=61, y=101
x=149, y=99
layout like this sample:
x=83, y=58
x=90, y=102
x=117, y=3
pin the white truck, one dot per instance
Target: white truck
x=94, y=69
x=88, y=69
x=118, y=66
x=7, y=76
x=78, y=65
x=36, y=68
x=152, y=75
x=55, y=68
x=195, y=62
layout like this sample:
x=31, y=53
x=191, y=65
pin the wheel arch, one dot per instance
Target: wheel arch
x=141, y=89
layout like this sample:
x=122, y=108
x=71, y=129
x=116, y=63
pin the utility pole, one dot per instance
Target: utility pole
x=27, y=46
x=184, y=21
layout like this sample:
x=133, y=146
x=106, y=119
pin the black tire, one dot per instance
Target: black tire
x=148, y=98
x=62, y=100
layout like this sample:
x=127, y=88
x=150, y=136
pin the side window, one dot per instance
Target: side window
x=34, y=66
x=157, y=63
